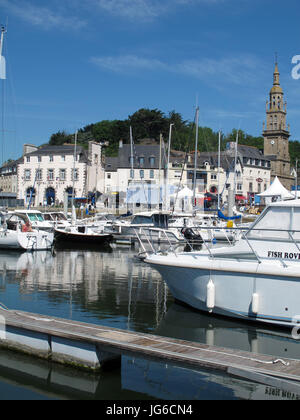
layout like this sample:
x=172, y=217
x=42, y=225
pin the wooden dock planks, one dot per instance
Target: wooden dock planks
x=170, y=349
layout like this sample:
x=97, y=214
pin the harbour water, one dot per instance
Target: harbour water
x=113, y=288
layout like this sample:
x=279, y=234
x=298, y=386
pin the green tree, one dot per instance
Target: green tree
x=60, y=138
x=148, y=123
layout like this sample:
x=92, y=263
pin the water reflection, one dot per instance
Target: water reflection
x=184, y=323
x=22, y=377
x=114, y=288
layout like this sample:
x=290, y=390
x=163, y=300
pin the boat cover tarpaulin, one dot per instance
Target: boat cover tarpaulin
x=222, y=216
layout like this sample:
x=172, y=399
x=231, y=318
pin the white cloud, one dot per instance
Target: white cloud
x=68, y=13
x=242, y=70
x=128, y=64
x=146, y=9
x=42, y=16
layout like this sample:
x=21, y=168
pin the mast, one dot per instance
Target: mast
x=196, y=157
x=131, y=152
x=167, y=169
x=235, y=162
x=73, y=192
x=219, y=165
x=131, y=162
x=2, y=59
x=159, y=170
x=2, y=77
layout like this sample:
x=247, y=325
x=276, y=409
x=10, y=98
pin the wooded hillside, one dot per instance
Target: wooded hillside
x=148, y=123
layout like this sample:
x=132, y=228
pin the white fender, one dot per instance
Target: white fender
x=255, y=303
x=211, y=295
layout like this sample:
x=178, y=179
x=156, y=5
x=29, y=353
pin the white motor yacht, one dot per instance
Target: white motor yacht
x=35, y=218
x=56, y=219
x=12, y=235
x=257, y=278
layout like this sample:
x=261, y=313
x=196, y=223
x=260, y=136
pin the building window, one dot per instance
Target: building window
x=108, y=176
x=27, y=158
x=142, y=173
x=63, y=158
x=250, y=187
x=152, y=161
x=75, y=174
x=39, y=159
x=142, y=161
x=213, y=177
x=50, y=174
x=27, y=174
x=239, y=187
x=38, y=174
x=151, y=173
x=51, y=158
x=62, y=174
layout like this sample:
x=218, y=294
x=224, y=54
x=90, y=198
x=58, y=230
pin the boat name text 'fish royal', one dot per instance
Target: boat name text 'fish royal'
x=285, y=255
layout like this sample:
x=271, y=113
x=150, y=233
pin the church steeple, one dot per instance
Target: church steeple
x=276, y=107
x=276, y=75
x=275, y=132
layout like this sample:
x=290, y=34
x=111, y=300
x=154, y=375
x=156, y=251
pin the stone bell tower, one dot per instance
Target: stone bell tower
x=276, y=134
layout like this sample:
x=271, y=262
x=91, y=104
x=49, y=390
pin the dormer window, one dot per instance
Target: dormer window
x=152, y=161
x=142, y=161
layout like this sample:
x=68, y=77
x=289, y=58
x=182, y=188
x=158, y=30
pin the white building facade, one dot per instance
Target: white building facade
x=45, y=175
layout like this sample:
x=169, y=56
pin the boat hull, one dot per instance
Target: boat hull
x=30, y=241
x=71, y=237
x=275, y=297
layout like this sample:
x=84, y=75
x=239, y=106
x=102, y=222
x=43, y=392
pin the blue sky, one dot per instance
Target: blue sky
x=71, y=63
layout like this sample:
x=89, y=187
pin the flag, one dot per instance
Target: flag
x=2, y=67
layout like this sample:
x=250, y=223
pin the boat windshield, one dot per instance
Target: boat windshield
x=277, y=223
x=60, y=216
x=142, y=220
x=35, y=217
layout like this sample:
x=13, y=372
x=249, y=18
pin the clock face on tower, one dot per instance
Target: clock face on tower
x=272, y=142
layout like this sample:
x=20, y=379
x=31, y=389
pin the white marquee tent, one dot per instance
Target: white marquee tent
x=276, y=192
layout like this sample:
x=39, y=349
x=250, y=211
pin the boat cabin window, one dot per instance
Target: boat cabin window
x=142, y=220
x=60, y=216
x=35, y=217
x=14, y=220
x=160, y=220
x=47, y=217
x=276, y=223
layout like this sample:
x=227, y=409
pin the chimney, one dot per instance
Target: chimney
x=29, y=148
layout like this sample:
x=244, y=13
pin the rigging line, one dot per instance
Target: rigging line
x=12, y=92
x=2, y=122
x=142, y=179
x=185, y=160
